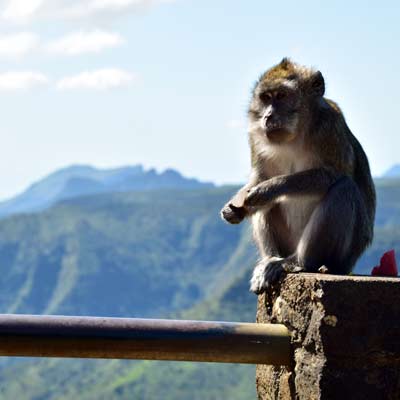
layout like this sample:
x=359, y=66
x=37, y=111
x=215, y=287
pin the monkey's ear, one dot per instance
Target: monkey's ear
x=317, y=84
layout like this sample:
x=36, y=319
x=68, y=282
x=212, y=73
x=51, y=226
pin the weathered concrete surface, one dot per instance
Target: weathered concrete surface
x=345, y=336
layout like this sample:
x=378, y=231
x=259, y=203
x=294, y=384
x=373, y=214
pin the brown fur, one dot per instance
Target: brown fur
x=311, y=195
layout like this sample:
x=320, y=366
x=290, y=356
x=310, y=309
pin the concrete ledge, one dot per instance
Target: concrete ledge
x=345, y=333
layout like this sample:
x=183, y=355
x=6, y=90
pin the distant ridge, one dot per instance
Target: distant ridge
x=81, y=180
x=393, y=172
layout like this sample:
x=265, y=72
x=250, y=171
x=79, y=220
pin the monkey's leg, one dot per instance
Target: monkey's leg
x=338, y=230
x=269, y=269
x=336, y=234
x=265, y=241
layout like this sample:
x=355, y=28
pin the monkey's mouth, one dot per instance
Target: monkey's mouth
x=273, y=125
x=278, y=134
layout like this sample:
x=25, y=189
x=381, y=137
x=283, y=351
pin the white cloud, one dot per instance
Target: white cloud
x=10, y=81
x=102, y=79
x=85, y=42
x=117, y=4
x=28, y=10
x=18, y=44
x=21, y=10
x=91, y=7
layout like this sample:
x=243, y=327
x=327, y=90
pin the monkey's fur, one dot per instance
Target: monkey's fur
x=310, y=196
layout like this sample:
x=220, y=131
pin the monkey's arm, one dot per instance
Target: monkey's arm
x=313, y=181
x=234, y=211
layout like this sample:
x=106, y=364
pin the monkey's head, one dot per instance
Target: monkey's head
x=283, y=100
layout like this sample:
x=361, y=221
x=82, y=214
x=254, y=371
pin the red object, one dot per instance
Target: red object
x=387, y=267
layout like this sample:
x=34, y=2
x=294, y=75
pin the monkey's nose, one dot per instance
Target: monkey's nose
x=268, y=114
x=270, y=119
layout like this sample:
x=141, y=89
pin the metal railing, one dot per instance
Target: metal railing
x=150, y=339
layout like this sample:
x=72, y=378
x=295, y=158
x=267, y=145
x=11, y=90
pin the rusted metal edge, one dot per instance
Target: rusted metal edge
x=150, y=339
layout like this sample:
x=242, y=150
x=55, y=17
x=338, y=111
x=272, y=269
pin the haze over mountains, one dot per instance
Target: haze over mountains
x=393, y=172
x=80, y=180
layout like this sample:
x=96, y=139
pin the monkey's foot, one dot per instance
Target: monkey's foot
x=233, y=214
x=268, y=273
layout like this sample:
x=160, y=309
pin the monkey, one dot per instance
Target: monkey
x=310, y=196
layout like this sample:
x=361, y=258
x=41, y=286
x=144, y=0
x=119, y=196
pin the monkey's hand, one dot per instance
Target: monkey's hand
x=260, y=195
x=269, y=272
x=233, y=214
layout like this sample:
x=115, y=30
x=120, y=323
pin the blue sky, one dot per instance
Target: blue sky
x=166, y=83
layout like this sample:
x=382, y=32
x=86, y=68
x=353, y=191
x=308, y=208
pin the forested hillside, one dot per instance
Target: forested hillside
x=131, y=254
x=163, y=253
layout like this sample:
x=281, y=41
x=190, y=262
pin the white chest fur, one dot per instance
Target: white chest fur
x=296, y=209
x=297, y=212
x=287, y=159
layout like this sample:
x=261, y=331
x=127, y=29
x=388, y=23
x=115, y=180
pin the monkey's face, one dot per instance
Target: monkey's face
x=274, y=111
x=282, y=102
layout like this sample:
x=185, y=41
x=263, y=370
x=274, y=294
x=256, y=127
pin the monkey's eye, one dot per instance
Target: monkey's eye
x=280, y=95
x=265, y=97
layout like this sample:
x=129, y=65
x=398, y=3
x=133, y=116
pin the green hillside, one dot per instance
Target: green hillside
x=158, y=254
x=112, y=380
x=56, y=379
x=387, y=225
x=155, y=254
x=137, y=254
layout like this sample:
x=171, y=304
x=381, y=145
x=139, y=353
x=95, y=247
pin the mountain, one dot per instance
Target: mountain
x=80, y=180
x=160, y=254
x=141, y=253
x=163, y=253
x=393, y=172
x=61, y=379
x=387, y=225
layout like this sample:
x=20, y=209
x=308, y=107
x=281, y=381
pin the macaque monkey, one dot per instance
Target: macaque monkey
x=310, y=196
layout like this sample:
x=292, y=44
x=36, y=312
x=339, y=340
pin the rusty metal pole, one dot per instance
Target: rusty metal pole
x=126, y=338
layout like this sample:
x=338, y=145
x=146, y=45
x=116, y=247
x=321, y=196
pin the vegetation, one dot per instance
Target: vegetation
x=157, y=254
x=98, y=379
x=127, y=254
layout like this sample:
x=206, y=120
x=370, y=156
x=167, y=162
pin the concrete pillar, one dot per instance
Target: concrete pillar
x=345, y=334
